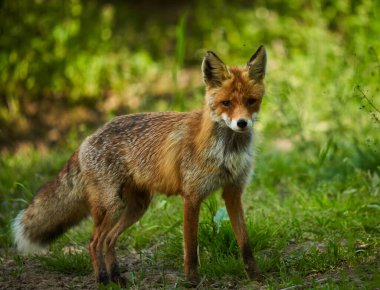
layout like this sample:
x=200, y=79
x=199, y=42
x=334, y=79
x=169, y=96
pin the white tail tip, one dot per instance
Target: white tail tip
x=24, y=244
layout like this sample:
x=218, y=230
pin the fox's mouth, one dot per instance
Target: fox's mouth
x=238, y=130
x=245, y=130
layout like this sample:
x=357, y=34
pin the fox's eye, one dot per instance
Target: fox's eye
x=251, y=101
x=226, y=103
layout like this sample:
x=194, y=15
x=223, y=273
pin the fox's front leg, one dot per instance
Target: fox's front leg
x=191, y=207
x=232, y=198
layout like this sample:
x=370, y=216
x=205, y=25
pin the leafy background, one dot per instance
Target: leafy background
x=66, y=67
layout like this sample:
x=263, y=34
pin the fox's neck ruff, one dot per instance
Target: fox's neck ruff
x=234, y=141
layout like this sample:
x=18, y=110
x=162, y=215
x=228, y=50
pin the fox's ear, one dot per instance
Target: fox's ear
x=214, y=70
x=257, y=64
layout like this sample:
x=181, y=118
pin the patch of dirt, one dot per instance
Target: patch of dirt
x=29, y=273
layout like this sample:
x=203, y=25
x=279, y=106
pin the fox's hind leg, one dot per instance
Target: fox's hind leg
x=106, y=209
x=102, y=222
x=137, y=202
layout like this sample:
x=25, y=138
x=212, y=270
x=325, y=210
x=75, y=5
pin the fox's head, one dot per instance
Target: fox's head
x=234, y=94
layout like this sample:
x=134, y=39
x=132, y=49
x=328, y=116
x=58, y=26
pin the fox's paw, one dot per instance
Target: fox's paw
x=256, y=275
x=103, y=278
x=119, y=280
x=192, y=280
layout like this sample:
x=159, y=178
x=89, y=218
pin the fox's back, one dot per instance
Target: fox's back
x=141, y=134
x=143, y=148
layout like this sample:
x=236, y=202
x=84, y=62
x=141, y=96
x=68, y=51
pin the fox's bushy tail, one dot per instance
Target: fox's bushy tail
x=57, y=206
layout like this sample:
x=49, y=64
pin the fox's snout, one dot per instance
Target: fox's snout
x=238, y=125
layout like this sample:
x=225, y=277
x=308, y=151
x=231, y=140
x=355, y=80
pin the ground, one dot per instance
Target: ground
x=28, y=273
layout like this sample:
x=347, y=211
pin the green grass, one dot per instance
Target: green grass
x=70, y=263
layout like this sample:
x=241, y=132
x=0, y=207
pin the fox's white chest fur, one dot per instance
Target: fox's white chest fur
x=230, y=160
x=233, y=161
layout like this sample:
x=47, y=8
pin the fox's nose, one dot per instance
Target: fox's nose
x=242, y=123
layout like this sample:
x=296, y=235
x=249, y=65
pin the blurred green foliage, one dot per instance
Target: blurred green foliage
x=114, y=56
x=65, y=64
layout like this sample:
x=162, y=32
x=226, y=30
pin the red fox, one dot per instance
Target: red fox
x=115, y=172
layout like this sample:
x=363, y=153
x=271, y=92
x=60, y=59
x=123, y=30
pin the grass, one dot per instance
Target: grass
x=66, y=263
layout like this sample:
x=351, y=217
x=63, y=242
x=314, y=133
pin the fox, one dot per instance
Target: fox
x=116, y=171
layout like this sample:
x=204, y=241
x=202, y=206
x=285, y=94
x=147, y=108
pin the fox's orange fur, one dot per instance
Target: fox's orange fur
x=115, y=171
